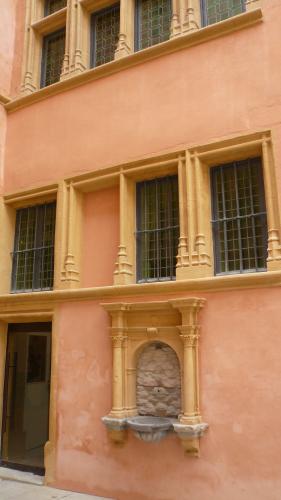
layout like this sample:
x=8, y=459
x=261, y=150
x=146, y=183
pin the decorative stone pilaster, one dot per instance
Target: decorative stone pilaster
x=75, y=46
x=272, y=205
x=70, y=275
x=125, y=44
x=123, y=273
x=30, y=73
x=189, y=428
x=185, y=17
x=183, y=253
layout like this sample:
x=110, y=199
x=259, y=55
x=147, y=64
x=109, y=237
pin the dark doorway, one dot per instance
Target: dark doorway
x=26, y=396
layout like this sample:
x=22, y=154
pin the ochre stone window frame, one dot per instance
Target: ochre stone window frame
x=133, y=326
x=8, y=207
x=75, y=17
x=195, y=251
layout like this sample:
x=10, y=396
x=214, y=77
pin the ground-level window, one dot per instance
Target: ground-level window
x=239, y=217
x=105, y=27
x=52, y=57
x=52, y=6
x=33, y=256
x=157, y=229
x=153, y=22
x=214, y=11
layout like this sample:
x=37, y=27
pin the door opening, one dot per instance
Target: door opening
x=25, y=426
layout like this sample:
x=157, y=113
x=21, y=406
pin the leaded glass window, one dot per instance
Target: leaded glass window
x=239, y=217
x=33, y=256
x=52, y=57
x=153, y=20
x=214, y=11
x=52, y=6
x=105, y=34
x=157, y=229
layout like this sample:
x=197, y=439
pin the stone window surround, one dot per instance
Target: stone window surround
x=134, y=326
x=195, y=250
x=75, y=18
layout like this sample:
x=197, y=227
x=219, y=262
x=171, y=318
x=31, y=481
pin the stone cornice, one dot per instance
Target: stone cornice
x=181, y=42
x=45, y=300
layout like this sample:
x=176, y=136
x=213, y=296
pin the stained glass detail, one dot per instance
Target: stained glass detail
x=52, y=6
x=105, y=34
x=214, y=11
x=33, y=256
x=239, y=217
x=153, y=22
x=52, y=57
x=157, y=229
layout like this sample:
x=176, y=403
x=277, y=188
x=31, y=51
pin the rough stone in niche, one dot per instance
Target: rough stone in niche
x=158, y=381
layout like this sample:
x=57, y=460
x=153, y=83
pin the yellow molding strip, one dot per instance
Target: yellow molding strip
x=4, y=99
x=210, y=284
x=181, y=42
x=20, y=196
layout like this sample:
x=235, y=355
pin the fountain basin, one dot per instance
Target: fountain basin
x=150, y=429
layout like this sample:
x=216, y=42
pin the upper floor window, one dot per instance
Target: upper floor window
x=214, y=11
x=153, y=21
x=157, y=229
x=52, y=57
x=105, y=27
x=52, y=6
x=33, y=256
x=239, y=217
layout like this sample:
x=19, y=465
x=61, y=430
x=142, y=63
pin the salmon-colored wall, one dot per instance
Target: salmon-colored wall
x=230, y=85
x=240, y=392
x=100, y=237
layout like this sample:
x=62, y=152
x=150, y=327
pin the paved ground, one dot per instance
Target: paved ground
x=21, y=486
x=15, y=490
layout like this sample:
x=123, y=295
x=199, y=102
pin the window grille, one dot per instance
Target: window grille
x=214, y=11
x=52, y=6
x=157, y=229
x=153, y=21
x=52, y=57
x=105, y=34
x=33, y=256
x=239, y=217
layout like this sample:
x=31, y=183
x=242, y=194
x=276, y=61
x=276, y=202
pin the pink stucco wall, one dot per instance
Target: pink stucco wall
x=228, y=86
x=100, y=237
x=240, y=391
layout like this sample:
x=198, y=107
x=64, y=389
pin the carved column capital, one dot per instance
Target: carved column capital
x=118, y=340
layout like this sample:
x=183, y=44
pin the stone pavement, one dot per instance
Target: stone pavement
x=21, y=486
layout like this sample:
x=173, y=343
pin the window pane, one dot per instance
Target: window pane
x=239, y=217
x=217, y=10
x=33, y=256
x=157, y=228
x=52, y=57
x=105, y=34
x=153, y=22
x=52, y=6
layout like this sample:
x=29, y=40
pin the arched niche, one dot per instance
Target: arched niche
x=135, y=327
x=158, y=381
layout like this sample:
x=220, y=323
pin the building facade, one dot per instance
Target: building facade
x=140, y=253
